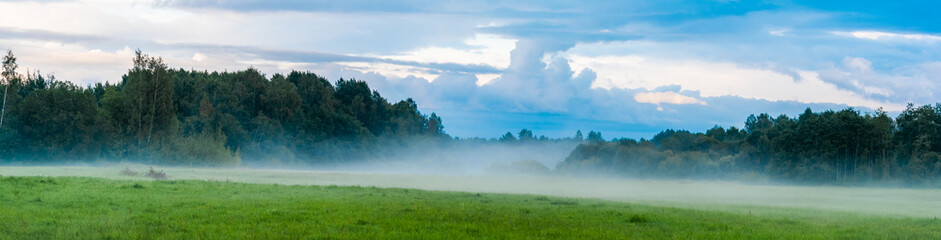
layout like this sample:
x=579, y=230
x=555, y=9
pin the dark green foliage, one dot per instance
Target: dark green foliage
x=831, y=147
x=62, y=121
x=526, y=135
x=508, y=137
x=594, y=137
x=198, y=150
x=9, y=140
x=149, y=94
x=179, y=117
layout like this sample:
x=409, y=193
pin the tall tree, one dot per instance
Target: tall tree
x=280, y=99
x=526, y=135
x=434, y=126
x=150, y=87
x=9, y=77
x=595, y=137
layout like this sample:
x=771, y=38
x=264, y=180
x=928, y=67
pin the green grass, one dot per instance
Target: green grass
x=93, y=208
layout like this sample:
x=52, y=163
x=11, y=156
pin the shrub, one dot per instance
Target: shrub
x=198, y=150
x=156, y=175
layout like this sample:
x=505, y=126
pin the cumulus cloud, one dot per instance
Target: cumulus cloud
x=713, y=79
x=657, y=98
x=858, y=64
x=484, y=49
x=540, y=81
x=199, y=57
x=623, y=67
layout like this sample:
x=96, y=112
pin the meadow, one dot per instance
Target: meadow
x=38, y=207
x=728, y=196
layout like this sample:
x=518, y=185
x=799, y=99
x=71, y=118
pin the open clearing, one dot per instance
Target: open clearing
x=709, y=195
x=94, y=208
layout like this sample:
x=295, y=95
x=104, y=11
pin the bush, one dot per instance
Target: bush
x=156, y=175
x=198, y=150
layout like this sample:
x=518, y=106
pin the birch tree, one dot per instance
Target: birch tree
x=151, y=89
x=9, y=77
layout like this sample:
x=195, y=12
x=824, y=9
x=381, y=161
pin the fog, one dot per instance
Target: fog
x=464, y=159
x=527, y=168
x=710, y=195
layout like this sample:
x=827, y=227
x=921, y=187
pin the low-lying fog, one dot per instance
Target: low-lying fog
x=717, y=195
x=469, y=159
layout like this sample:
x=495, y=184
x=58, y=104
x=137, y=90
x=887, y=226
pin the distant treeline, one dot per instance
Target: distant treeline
x=160, y=115
x=830, y=147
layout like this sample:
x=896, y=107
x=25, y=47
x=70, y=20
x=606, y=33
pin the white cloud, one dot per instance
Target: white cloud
x=779, y=32
x=754, y=61
x=483, y=49
x=859, y=64
x=874, y=90
x=141, y=20
x=199, y=57
x=85, y=65
x=860, y=68
x=392, y=70
x=712, y=79
x=657, y=98
x=281, y=66
x=876, y=35
x=141, y=10
x=483, y=79
x=64, y=17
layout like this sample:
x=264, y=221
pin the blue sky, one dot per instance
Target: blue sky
x=625, y=68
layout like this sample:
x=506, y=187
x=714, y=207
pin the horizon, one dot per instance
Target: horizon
x=626, y=69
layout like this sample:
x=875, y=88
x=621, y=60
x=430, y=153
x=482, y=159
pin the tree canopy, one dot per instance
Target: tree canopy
x=833, y=147
x=174, y=116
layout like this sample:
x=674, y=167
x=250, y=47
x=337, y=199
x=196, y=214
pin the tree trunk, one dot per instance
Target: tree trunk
x=855, y=161
x=4, y=108
x=140, y=119
x=153, y=109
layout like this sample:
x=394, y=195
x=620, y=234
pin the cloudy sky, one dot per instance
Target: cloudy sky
x=625, y=68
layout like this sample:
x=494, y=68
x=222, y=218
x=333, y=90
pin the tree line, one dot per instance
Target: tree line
x=156, y=114
x=829, y=147
x=160, y=115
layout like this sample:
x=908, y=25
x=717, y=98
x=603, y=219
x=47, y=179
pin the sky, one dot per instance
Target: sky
x=624, y=68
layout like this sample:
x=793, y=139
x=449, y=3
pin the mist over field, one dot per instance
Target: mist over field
x=736, y=197
x=517, y=119
x=469, y=160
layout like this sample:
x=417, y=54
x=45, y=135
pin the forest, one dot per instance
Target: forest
x=177, y=117
x=159, y=115
x=843, y=147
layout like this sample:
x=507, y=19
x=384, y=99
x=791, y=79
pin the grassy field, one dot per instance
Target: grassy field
x=732, y=197
x=94, y=208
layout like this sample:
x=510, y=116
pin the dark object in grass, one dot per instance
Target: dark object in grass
x=156, y=175
x=638, y=219
x=128, y=172
x=565, y=203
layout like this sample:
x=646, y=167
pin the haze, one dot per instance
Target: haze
x=750, y=107
x=710, y=195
